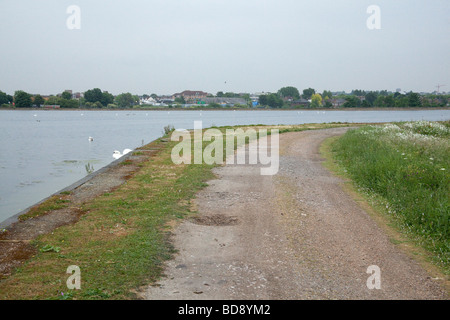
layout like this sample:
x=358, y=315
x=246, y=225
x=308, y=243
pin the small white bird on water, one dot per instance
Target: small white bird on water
x=91, y=139
x=117, y=154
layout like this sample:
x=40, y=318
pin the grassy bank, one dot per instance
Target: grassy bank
x=403, y=169
x=123, y=238
x=119, y=243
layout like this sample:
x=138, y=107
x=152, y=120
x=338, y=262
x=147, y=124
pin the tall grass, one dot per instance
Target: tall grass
x=406, y=165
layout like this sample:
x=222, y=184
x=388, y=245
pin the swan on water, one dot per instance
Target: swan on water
x=91, y=139
x=117, y=154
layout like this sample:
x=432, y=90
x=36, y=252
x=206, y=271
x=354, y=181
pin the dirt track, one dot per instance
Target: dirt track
x=294, y=235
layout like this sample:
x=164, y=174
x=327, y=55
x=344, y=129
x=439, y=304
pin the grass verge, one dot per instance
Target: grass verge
x=401, y=169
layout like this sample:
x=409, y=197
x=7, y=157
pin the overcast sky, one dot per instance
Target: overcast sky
x=167, y=46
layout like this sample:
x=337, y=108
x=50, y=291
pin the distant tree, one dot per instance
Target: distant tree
x=316, y=100
x=327, y=94
x=154, y=95
x=365, y=104
x=402, y=101
x=231, y=95
x=66, y=95
x=3, y=98
x=262, y=99
x=63, y=103
x=352, y=101
x=397, y=95
x=52, y=100
x=358, y=93
x=219, y=94
x=22, y=99
x=98, y=105
x=379, y=102
x=107, y=98
x=328, y=104
x=96, y=95
x=124, y=100
x=274, y=101
x=389, y=101
x=414, y=99
x=371, y=97
x=307, y=93
x=93, y=95
x=289, y=92
x=38, y=100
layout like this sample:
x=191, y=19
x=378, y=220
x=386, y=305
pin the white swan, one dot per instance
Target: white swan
x=117, y=154
x=91, y=139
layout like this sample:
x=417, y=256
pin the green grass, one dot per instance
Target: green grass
x=405, y=167
x=53, y=203
x=121, y=242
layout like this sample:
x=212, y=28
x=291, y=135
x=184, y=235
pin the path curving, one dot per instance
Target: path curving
x=294, y=235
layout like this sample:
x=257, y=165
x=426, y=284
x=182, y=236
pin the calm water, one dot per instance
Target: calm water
x=43, y=152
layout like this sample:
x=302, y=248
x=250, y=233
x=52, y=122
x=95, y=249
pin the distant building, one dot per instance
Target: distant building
x=300, y=103
x=147, y=101
x=336, y=103
x=191, y=96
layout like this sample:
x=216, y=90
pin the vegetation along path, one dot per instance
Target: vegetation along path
x=298, y=234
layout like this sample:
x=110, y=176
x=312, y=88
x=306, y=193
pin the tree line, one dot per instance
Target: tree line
x=286, y=97
x=94, y=98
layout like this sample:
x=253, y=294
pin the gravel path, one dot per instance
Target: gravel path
x=294, y=235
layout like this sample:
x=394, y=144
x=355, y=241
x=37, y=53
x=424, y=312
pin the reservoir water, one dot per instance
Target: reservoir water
x=43, y=151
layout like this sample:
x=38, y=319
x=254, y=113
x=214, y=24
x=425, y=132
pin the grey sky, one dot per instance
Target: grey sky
x=167, y=46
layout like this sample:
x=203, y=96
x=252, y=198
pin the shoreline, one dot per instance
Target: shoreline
x=8, y=222
x=20, y=234
x=230, y=109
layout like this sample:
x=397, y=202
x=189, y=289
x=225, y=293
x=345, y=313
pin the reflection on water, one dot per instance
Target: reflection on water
x=44, y=151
